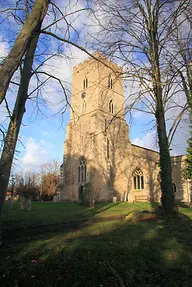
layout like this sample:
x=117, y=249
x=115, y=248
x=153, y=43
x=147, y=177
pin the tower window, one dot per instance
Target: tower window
x=110, y=82
x=83, y=107
x=85, y=83
x=111, y=110
x=82, y=171
x=107, y=148
x=138, y=179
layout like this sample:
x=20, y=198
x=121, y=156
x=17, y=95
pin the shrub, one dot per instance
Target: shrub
x=89, y=195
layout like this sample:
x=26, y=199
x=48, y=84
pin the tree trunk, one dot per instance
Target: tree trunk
x=12, y=61
x=167, y=197
x=15, y=124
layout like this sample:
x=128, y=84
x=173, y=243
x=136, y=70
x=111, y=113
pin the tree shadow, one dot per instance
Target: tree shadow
x=30, y=231
x=128, y=252
x=107, y=207
x=182, y=204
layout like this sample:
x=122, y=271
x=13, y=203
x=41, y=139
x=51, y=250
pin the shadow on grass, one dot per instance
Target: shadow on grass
x=182, y=204
x=33, y=229
x=104, y=208
x=108, y=253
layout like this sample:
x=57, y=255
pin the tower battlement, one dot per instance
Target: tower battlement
x=99, y=58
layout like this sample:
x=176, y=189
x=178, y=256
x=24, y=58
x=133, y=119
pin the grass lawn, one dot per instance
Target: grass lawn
x=104, y=247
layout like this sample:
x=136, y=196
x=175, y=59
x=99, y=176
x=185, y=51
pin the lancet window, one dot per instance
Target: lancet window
x=82, y=171
x=110, y=82
x=111, y=109
x=85, y=83
x=83, y=107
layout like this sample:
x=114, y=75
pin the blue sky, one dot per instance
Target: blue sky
x=42, y=136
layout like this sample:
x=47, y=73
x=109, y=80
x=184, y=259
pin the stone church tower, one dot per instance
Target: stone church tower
x=97, y=148
x=97, y=132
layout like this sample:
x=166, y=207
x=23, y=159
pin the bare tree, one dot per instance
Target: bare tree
x=27, y=186
x=49, y=177
x=30, y=27
x=136, y=34
x=179, y=55
x=15, y=121
x=26, y=72
x=12, y=184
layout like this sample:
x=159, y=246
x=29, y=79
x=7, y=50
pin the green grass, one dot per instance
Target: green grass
x=103, y=249
x=47, y=213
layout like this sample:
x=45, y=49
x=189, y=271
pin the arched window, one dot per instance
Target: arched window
x=108, y=149
x=82, y=171
x=83, y=107
x=111, y=107
x=138, y=179
x=85, y=83
x=110, y=82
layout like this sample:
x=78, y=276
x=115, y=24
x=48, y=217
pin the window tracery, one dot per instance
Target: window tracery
x=138, y=179
x=82, y=171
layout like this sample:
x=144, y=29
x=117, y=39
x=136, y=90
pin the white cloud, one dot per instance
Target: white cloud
x=3, y=113
x=147, y=141
x=4, y=48
x=35, y=154
x=62, y=68
x=74, y=17
x=178, y=146
x=45, y=133
x=138, y=114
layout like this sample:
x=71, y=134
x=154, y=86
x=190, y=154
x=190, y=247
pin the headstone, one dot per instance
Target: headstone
x=55, y=198
x=22, y=201
x=29, y=204
x=10, y=202
x=114, y=199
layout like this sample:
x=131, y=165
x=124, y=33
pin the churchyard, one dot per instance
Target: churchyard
x=112, y=244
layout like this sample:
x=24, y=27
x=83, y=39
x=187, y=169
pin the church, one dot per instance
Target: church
x=97, y=148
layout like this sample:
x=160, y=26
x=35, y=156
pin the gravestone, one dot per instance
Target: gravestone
x=25, y=203
x=10, y=202
x=55, y=198
x=28, y=204
x=22, y=201
x=114, y=199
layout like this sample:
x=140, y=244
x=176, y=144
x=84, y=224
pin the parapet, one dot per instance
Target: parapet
x=97, y=56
